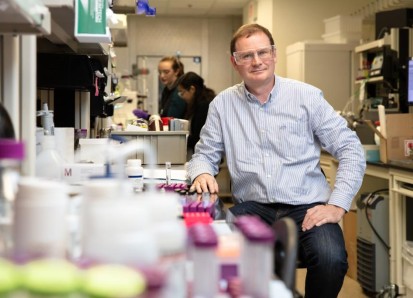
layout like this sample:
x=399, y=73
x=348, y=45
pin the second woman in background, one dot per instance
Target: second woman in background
x=197, y=96
x=171, y=105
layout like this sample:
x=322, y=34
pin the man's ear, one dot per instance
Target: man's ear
x=233, y=62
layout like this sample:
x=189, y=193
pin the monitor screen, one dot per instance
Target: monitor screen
x=410, y=82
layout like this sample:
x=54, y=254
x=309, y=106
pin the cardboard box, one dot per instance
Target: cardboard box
x=399, y=134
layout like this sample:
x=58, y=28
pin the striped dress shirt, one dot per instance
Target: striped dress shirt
x=273, y=149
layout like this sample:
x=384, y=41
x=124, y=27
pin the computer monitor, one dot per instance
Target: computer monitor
x=410, y=81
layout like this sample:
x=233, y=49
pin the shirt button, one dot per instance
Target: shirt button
x=268, y=176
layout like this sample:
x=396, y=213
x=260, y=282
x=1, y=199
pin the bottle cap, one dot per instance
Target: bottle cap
x=203, y=235
x=254, y=229
x=134, y=162
x=12, y=149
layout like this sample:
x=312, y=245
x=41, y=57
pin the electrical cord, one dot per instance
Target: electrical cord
x=366, y=206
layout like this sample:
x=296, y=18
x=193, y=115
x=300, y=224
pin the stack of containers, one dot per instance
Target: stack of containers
x=343, y=29
x=256, y=261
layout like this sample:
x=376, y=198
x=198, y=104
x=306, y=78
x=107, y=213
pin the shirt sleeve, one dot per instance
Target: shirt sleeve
x=210, y=148
x=343, y=144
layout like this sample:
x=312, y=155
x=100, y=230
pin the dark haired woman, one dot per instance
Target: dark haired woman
x=197, y=96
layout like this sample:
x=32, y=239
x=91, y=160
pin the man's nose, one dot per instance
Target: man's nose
x=256, y=59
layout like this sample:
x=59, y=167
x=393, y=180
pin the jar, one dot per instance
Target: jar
x=134, y=171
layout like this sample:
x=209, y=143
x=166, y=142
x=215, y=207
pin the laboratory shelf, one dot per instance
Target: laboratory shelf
x=61, y=38
x=375, y=44
x=370, y=80
x=24, y=17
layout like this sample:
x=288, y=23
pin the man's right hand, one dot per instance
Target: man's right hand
x=205, y=183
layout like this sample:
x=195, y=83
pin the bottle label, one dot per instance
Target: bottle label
x=137, y=182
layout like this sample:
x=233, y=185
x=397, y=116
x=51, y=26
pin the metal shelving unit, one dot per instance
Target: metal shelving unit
x=24, y=17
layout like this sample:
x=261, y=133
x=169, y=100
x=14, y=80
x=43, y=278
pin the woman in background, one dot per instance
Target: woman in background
x=197, y=97
x=172, y=105
x=170, y=68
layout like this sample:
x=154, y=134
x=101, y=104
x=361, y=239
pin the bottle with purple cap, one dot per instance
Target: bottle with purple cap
x=203, y=245
x=256, y=261
x=11, y=155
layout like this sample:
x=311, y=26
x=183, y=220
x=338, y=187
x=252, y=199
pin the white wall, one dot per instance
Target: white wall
x=205, y=37
x=289, y=21
x=299, y=20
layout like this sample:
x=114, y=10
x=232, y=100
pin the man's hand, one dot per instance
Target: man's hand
x=205, y=183
x=322, y=214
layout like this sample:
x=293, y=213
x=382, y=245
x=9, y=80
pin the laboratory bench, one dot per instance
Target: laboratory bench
x=397, y=176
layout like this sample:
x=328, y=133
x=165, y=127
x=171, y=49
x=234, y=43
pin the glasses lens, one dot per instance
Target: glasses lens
x=246, y=57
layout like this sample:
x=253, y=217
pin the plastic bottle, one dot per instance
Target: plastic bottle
x=203, y=244
x=134, y=171
x=11, y=155
x=49, y=162
x=256, y=265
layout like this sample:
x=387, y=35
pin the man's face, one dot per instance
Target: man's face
x=253, y=69
x=166, y=73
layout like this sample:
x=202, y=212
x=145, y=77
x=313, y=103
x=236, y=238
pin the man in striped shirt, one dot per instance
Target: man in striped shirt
x=271, y=130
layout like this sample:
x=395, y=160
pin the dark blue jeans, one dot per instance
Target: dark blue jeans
x=321, y=249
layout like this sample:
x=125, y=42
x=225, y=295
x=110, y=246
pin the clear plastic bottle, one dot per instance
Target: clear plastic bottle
x=11, y=155
x=134, y=171
x=49, y=163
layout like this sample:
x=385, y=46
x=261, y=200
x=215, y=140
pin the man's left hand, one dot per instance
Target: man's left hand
x=322, y=214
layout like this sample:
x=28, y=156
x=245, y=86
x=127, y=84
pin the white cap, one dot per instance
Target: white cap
x=134, y=162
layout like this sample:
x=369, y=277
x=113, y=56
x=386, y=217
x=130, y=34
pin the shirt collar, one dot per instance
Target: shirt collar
x=251, y=97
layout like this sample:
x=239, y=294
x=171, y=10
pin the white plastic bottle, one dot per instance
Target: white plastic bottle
x=134, y=171
x=49, y=163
